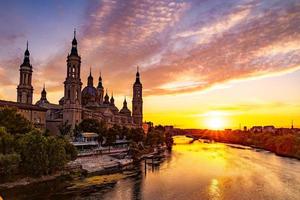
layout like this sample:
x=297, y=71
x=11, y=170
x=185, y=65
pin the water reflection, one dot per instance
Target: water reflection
x=203, y=171
x=217, y=172
x=214, y=190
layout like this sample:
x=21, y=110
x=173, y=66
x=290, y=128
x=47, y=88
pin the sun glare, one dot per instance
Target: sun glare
x=215, y=120
x=215, y=123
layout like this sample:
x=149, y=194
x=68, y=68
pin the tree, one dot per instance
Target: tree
x=70, y=149
x=169, y=140
x=155, y=138
x=111, y=136
x=124, y=132
x=56, y=154
x=95, y=126
x=65, y=129
x=76, y=131
x=6, y=142
x=137, y=135
x=33, y=150
x=9, y=164
x=13, y=122
x=90, y=125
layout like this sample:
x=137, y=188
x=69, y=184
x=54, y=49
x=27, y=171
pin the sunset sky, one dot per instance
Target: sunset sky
x=203, y=63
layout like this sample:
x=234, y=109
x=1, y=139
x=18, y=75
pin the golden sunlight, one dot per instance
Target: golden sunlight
x=215, y=120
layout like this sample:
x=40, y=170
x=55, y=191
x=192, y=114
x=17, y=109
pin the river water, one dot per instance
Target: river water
x=200, y=170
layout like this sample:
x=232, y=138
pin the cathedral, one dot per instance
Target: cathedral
x=77, y=103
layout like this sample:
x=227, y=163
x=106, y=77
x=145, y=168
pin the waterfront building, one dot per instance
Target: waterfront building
x=77, y=103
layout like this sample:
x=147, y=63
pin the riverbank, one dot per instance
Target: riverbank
x=85, y=166
x=286, y=145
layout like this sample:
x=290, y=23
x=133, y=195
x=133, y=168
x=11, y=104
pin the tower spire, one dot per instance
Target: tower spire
x=137, y=79
x=90, y=78
x=137, y=101
x=74, y=45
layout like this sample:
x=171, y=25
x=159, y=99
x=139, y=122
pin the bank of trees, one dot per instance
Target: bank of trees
x=25, y=151
x=107, y=136
x=281, y=144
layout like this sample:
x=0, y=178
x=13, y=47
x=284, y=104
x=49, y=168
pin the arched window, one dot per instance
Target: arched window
x=69, y=94
x=73, y=71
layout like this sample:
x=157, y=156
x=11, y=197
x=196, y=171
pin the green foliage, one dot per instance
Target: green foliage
x=9, y=164
x=33, y=150
x=70, y=149
x=281, y=144
x=169, y=140
x=111, y=135
x=6, y=142
x=13, y=122
x=136, y=135
x=76, y=131
x=26, y=151
x=65, y=129
x=93, y=125
x=155, y=138
x=56, y=152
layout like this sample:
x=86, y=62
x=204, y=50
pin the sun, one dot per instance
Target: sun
x=215, y=123
x=215, y=120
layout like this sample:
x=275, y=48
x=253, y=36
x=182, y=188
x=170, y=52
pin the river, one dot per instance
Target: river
x=196, y=171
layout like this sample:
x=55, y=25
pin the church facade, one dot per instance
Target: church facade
x=77, y=103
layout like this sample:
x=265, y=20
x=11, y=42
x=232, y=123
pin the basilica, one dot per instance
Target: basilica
x=77, y=103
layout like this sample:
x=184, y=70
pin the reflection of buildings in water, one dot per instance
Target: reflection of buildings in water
x=137, y=186
x=214, y=190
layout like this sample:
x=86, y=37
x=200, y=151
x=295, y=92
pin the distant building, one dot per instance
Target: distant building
x=269, y=129
x=169, y=128
x=256, y=129
x=77, y=103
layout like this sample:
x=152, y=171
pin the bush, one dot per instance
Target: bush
x=9, y=164
x=70, y=149
x=57, y=156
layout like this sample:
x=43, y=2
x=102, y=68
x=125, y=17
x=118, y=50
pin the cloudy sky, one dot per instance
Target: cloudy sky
x=202, y=62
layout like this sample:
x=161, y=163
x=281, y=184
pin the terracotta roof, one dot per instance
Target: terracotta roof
x=21, y=105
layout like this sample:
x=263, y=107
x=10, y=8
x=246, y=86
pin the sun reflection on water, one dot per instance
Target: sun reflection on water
x=214, y=190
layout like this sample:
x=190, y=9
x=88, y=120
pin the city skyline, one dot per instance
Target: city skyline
x=215, y=69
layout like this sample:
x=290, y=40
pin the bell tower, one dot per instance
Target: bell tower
x=72, y=91
x=25, y=89
x=137, y=101
x=100, y=91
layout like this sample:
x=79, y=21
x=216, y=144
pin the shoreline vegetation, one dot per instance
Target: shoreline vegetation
x=31, y=156
x=286, y=145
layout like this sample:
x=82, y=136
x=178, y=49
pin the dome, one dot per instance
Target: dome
x=89, y=94
x=89, y=90
x=42, y=102
x=125, y=111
